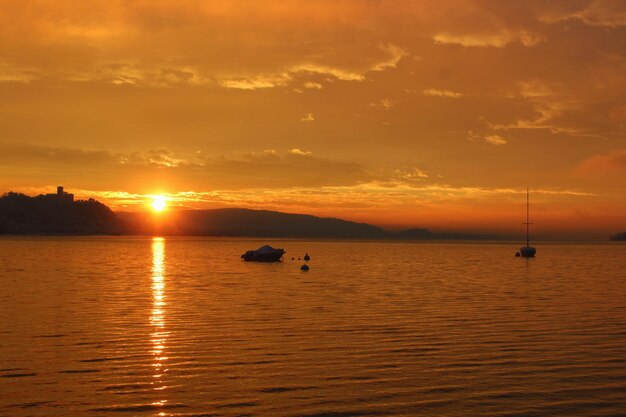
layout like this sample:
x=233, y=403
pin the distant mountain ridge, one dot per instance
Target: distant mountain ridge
x=254, y=223
x=242, y=222
x=60, y=214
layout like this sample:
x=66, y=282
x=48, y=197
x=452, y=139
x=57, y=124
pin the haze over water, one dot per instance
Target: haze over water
x=182, y=327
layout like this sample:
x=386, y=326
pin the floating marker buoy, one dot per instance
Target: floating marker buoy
x=517, y=254
x=307, y=257
x=304, y=267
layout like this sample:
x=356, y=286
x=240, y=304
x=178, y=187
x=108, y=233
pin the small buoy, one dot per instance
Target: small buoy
x=307, y=257
x=304, y=267
x=517, y=254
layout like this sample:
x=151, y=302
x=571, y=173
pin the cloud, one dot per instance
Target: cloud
x=558, y=116
x=132, y=74
x=609, y=13
x=14, y=73
x=18, y=154
x=336, y=72
x=142, y=170
x=409, y=174
x=613, y=162
x=495, y=140
x=312, y=85
x=256, y=82
x=296, y=151
x=492, y=139
x=158, y=157
x=496, y=40
x=606, y=13
x=309, y=117
x=535, y=88
x=168, y=43
x=553, y=109
x=395, y=53
x=433, y=92
x=384, y=103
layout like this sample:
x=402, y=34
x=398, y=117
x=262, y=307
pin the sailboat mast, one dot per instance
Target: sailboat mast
x=527, y=217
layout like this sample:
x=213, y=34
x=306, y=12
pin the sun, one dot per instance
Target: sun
x=158, y=203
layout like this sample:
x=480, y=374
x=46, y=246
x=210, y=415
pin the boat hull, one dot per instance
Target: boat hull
x=265, y=255
x=262, y=257
x=527, y=251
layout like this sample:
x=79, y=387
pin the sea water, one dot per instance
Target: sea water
x=122, y=326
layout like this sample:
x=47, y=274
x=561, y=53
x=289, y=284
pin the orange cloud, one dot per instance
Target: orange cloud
x=608, y=13
x=495, y=140
x=613, y=162
x=434, y=92
x=497, y=40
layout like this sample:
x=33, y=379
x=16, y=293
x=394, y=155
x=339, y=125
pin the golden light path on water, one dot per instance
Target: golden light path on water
x=157, y=317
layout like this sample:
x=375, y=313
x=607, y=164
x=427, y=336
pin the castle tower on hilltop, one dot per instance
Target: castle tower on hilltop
x=61, y=195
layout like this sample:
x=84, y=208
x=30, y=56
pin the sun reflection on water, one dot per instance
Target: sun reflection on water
x=157, y=316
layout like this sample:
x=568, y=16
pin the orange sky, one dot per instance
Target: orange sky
x=420, y=113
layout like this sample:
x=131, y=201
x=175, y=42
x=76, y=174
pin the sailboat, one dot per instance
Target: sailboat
x=527, y=251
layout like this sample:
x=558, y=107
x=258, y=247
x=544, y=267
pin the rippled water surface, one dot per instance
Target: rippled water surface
x=182, y=327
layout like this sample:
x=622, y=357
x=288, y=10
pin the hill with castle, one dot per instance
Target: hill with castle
x=56, y=214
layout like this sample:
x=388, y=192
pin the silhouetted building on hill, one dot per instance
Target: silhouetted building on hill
x=61, y=195
x=55, y=214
